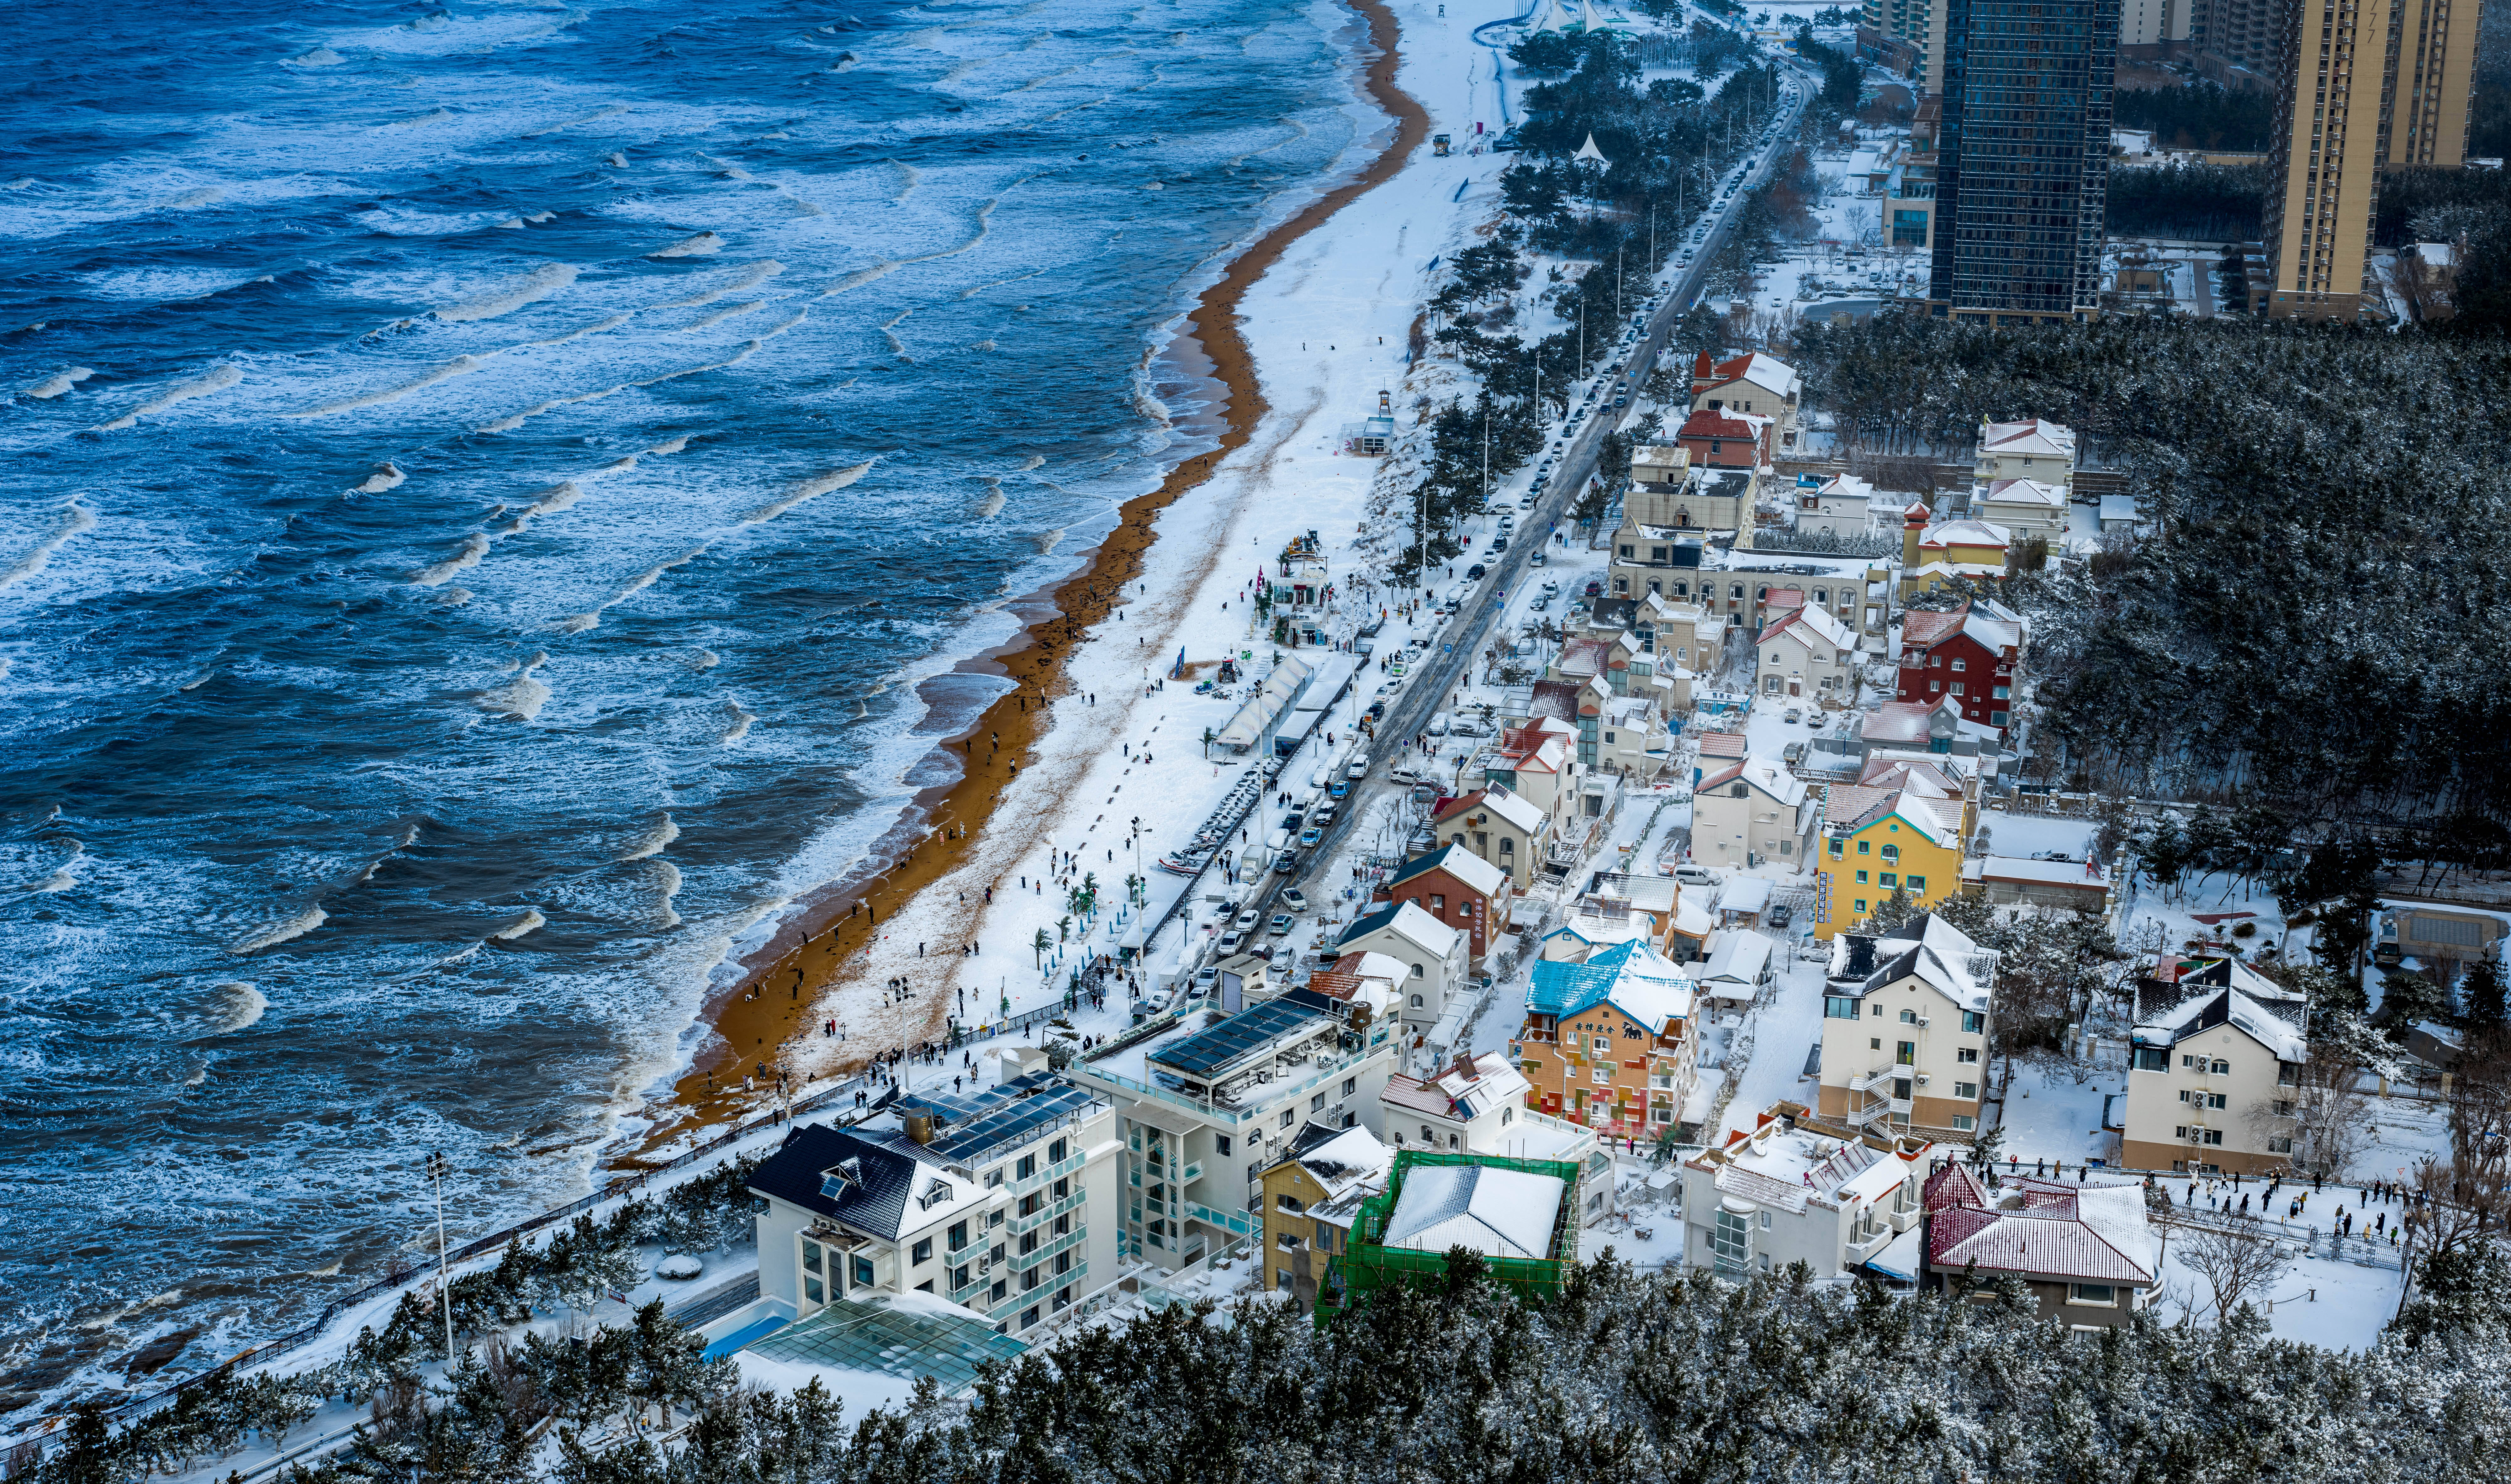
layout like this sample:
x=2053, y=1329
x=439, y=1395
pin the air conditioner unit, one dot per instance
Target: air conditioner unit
x=1923, y=1022
x=1922, y=1078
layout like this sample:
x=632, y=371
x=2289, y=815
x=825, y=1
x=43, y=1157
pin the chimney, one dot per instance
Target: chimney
x=1860, y=955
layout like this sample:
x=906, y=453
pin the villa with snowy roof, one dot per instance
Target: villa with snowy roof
x=1797, y=1189
x=1754, y=383
x=1905, y=1029
x=2212, y=1086
x=1518, y=1215
x=1933, y=554
x=1751, y=813
x=1611, y=1042
x=2034, y=448
x=1457, y=887
x=1971, y=656
x=2085, y=1250
x=1434, y=953
x=1498, y=826
x=1808, y=652
x=1310, y=1199
x=1880, y=838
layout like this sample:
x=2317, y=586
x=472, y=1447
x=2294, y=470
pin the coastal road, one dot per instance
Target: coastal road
x=1434, y=680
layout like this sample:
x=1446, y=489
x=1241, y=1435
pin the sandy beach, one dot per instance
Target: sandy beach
x=922, y=891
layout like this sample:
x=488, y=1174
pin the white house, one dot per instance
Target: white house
x=2026, y=508
x=2034, y=448
x=1841, y=506
x=1014, y=1217
x=1477, y=1105
x=1811, y=653
x=1434, y=956
x=1752, y=812
x=1738, y=967
x=1797, y=1189
x=2212, y=1088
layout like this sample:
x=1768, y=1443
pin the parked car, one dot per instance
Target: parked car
x=1292, y=820
x=1309, y=837
x=1794, y=715
x=1295, y=898
x=1695, y=875
x=1403, y=776
x=1541, y=605
x=1281, y=924
x=1230, y=940
x=1781, y=916
x=1477, y=571
x=1248, y=920
x=1536, y=559
x=1204, y=976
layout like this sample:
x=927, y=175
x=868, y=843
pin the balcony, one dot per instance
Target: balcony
x=1193, y=1172
x=1239, y=1223
x=1014, y=1226
x=1045, y=1174
x=1022, y=1262
x=976, y=1286
x=1864, y=1250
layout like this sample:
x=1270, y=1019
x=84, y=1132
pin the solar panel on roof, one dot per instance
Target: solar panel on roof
x=1208, y=1051
x=1004, y=1115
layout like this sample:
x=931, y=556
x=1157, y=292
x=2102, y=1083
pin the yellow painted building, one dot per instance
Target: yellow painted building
x=1310, y=1198
x=1878, y=841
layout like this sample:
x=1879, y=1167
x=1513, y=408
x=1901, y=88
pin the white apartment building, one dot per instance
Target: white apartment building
x=1203, y=1112
x=2212, y=1088
x=1795, y=1189
x=1752, y=812
x=1003, y=1200
x=1905, y=1030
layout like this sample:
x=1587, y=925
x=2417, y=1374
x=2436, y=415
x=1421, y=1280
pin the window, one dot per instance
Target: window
x=1350, y=1084
x=1914, y=883
x=1888, y=879
x=1221, y=1145
x=1029, y=1316
x=1861, y=903
x=1289, y=1114
x=1965, y=1123
x=1316, y=1104
x=2221, y=1067
x=1787, y=847
x=1866, y=846
x=811, y=1256
x=960, y=1277
x=1028, y=1166
x=1960, y=665
x=1055, y=1152
x=1862, y=879
x=1839, y=1007
x=924, y=1288
x=1905, y=1053
x=812, y=1290
x=2099, y=1295
x=923, y=1251
x=1438, y=903
x=1834, y=850
x=1730, y=1241
x=1604, y=1045
x=1873, y=1043
x=1974, y=1022
x=959, y=1236
x=1282, y=1275
x=862, y=1272
x=1969, y=1056
x=1909, y=1017
x=1966, y=1090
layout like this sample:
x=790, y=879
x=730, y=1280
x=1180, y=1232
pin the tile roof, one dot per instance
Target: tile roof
x=1409, y=921
x=1633, y=978
x=2032, y=435
x=1968, y=533
x=2093, y=1234
x=879, y=1186
x=1495, y=1211
x=1469, y=870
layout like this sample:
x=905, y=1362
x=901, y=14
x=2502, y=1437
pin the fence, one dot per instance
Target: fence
x=402, y=1274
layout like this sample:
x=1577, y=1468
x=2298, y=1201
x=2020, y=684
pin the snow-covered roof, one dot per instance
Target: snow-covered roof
x=1721, y=744
x=1761, y=372
x=1740, y=959
x=1744, y=893
x=1465, y=1090
x=1968, y=533
x=2025, y=492
x=1805, y=623
x=2034, y=437
x=1408, y=923
x=1470, y=870
x=2119, y=507
x=1769, y=777
x=1497, y=1212
x=2228, y=1007
x=1926, y=948
x=2094, y=1234
x=1847, y=488
x=1350, y=1158
x=1789, y=1168
x=2086, y=875
x=1633, y=978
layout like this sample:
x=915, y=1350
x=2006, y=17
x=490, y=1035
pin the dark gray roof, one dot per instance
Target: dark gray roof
x=864, y=1182
x=1371, y=924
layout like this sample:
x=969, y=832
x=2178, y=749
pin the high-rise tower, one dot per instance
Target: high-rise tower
x=2023, y=170
x=2368, y=85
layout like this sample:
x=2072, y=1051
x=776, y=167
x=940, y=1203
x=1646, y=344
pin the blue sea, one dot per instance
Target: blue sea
x=480, y=485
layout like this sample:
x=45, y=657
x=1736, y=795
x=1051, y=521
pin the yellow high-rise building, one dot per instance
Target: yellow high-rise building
x=2368, y=84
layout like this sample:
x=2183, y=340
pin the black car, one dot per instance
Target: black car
x=1474, y=573
x=1377, y=711
x=1780, y=916
x=1292, y=820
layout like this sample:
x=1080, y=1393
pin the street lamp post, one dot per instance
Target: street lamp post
x=443, y=1269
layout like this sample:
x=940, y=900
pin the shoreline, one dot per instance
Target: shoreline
x=812, y=948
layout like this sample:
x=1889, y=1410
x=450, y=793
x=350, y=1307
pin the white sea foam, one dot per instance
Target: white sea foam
x=74, y=519
x=59, y=382
x=756, y=273
x=154, y=1300
x=581, y=621
x=239, y=1004
x=472, y=550
x=387, y=475
x=199, y=680
x=982, y=345
x=512, y=421
x=800, y=206
x=459, y=366
x=741, y=720
x=215, y=379
x=661, y=835
x=615, y=160
x=524, y=923
x=810, y=488
x=522, y=697
x=438, y=116
x=718, y=316
x=674, y=446
x=611, y=321
x=511, y=295
x=703, y=245
x=1033, y=460
x=302, y=923
x=510, y=224
x=408, y=838
x=1046, y=543
x=908, y=180
x=783, y=325
x=320, y=56
x=705, y=659
x=206, y=196
x=551, y=129
x=666, y=884
x=861, y=276
x=990, y=505
x=557, y=497
x=749, y=348
x=454, y=597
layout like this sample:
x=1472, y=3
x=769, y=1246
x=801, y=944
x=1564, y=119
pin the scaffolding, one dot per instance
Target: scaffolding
x=1370, y=1265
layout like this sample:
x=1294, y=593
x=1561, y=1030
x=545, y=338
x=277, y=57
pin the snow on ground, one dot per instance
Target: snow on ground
x=2036, y=836
x=2335, y=1303
x=1784, y=1031
x=2051, y=1115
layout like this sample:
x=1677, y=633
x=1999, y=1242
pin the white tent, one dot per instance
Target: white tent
x=1549, y=16
x=1589, y=151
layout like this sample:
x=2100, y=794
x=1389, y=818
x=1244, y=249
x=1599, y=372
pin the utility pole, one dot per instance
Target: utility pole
x=443, y=1272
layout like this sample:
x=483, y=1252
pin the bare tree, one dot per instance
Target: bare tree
x=2234, y=1256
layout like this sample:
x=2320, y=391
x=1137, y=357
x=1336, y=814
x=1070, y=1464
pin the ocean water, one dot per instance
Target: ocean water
x=479, y=484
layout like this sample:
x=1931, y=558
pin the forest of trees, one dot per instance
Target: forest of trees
x=1629, y=1376
x=2191, y=203
x=2199, y=116
x=2331, y=514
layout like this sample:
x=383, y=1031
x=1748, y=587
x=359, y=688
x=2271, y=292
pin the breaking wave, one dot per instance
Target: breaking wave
x=805, y=489
x=459, y=366
x=473, y=549
x=521, y=926
x=218, y=379
x=239, y=1004
x=662, y=834
x=511, y=295
x=704, y=244
x=277, y=933
x=387, y=475
x=59, y=382
x=741, y=717
x=521, y=697
x=75, y=519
